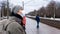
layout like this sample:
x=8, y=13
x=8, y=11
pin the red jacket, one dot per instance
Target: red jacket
x=24, y=20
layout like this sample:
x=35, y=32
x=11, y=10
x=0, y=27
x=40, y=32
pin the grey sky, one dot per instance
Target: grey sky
x=30, y=5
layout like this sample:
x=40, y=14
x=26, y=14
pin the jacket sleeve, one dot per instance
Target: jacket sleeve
x=15, y=28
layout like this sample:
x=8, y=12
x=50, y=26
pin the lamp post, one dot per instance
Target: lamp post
x=1, y=13
x=2, y=10
x=23, y=3
x=54, y=13
x=7, y=9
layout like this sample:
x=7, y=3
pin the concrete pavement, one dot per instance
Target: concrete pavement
x=44, y=29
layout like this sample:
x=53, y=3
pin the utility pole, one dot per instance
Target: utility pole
x=0, y=13
x=2, y=10
x=23, y=3
x=54, y=12
x=7, y=9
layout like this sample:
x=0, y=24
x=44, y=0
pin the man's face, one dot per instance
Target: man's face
x=19, y=12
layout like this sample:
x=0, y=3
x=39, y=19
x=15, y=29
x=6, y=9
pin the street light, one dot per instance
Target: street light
x=0, y=13
x=7, y=9
x=23, y=3
x=54, y=11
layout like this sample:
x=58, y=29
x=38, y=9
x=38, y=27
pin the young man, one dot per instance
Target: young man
x=13, y=26
x=38, y=20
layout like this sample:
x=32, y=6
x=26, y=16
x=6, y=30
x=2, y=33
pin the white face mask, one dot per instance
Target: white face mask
x=21, y=15
x=23, y=12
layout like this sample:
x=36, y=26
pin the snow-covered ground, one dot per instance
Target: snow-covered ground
x=46, y=18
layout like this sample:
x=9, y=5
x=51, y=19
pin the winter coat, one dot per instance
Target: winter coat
x=37, y=19
x=13, y=27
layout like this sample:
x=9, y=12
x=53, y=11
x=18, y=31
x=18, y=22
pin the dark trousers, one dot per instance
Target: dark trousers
x=37, y=24
x=24, y=29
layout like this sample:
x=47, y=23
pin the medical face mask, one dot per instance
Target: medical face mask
x=23, y=13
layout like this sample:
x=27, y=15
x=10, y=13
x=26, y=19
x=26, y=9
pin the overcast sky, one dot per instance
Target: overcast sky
x=30, y=5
